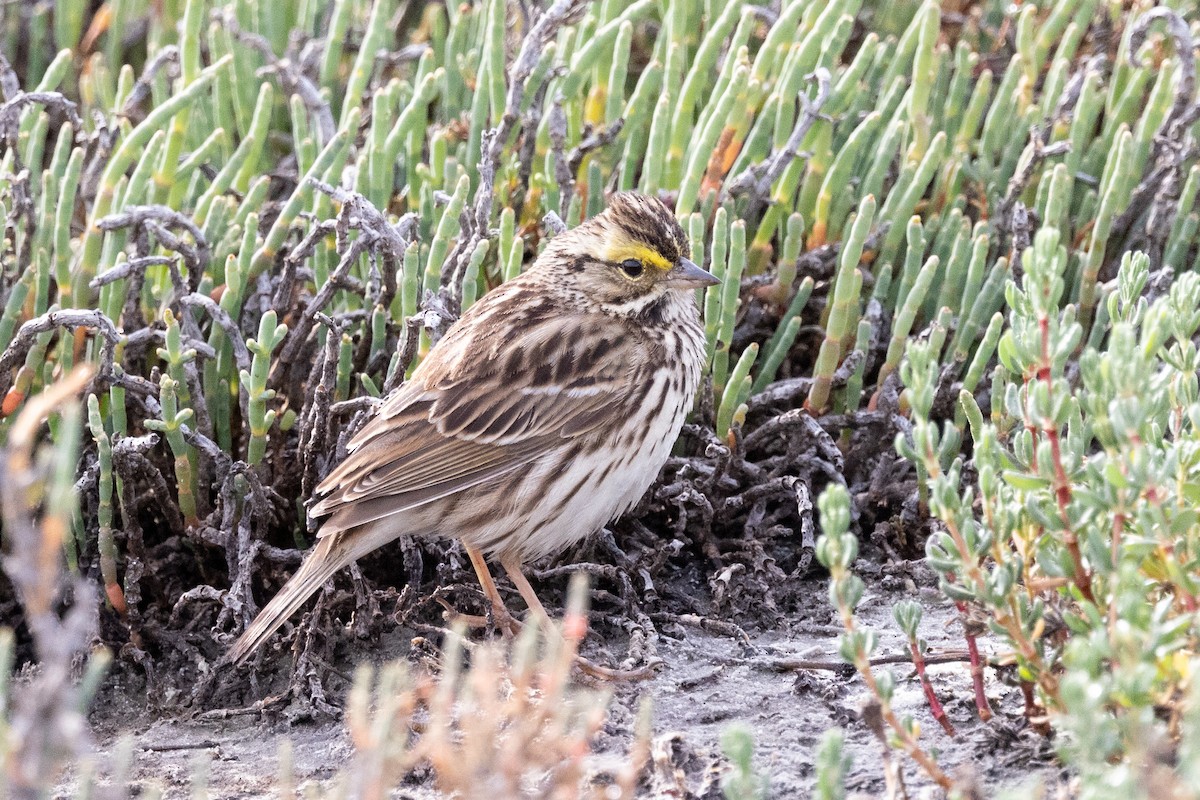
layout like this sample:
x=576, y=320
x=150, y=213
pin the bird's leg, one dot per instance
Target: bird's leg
x=517, y=576
x=504, y=620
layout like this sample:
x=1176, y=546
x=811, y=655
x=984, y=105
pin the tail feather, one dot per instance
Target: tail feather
x=329, y=556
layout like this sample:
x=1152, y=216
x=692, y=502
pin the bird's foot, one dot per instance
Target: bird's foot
x=500, y=620
x=505, y=622
x=510, y=626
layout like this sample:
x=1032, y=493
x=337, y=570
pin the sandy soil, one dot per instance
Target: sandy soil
x=710, y=683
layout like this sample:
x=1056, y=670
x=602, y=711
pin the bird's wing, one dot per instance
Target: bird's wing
x=475, y=411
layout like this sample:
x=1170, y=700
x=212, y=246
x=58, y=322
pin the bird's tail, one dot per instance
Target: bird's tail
x=330, y=555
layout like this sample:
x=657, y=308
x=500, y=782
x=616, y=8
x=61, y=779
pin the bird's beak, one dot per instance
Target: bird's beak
x=686, y=275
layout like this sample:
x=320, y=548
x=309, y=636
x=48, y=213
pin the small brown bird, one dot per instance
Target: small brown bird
x=542, y=414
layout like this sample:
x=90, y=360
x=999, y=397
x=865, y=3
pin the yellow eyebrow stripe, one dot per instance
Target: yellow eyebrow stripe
x=646, y=255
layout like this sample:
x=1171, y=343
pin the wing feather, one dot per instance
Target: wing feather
x=475, y=410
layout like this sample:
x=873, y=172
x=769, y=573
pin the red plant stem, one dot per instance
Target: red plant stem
x=1033, y=712
x=905, y=737
x=1006, y=620
x=982, y=706
x=1027, y=695
x=1062, y=485
x=1062, y=491
x=935, y=705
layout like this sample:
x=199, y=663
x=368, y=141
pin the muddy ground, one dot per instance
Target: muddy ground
x=709, y=683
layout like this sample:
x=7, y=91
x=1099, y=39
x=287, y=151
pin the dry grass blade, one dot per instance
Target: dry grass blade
x=497, y=722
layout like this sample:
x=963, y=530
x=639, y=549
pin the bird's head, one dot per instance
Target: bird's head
x=628, y=256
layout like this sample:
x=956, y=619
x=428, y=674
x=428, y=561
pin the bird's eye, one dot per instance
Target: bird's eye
x=632, y=267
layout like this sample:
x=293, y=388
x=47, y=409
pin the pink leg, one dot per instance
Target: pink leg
x=504, y=620
x=517, y=576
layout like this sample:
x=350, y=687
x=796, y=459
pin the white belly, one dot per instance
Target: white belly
x=556, y=504
x=614, y=479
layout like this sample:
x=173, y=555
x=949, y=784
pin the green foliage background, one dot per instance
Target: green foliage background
x=254, y=217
